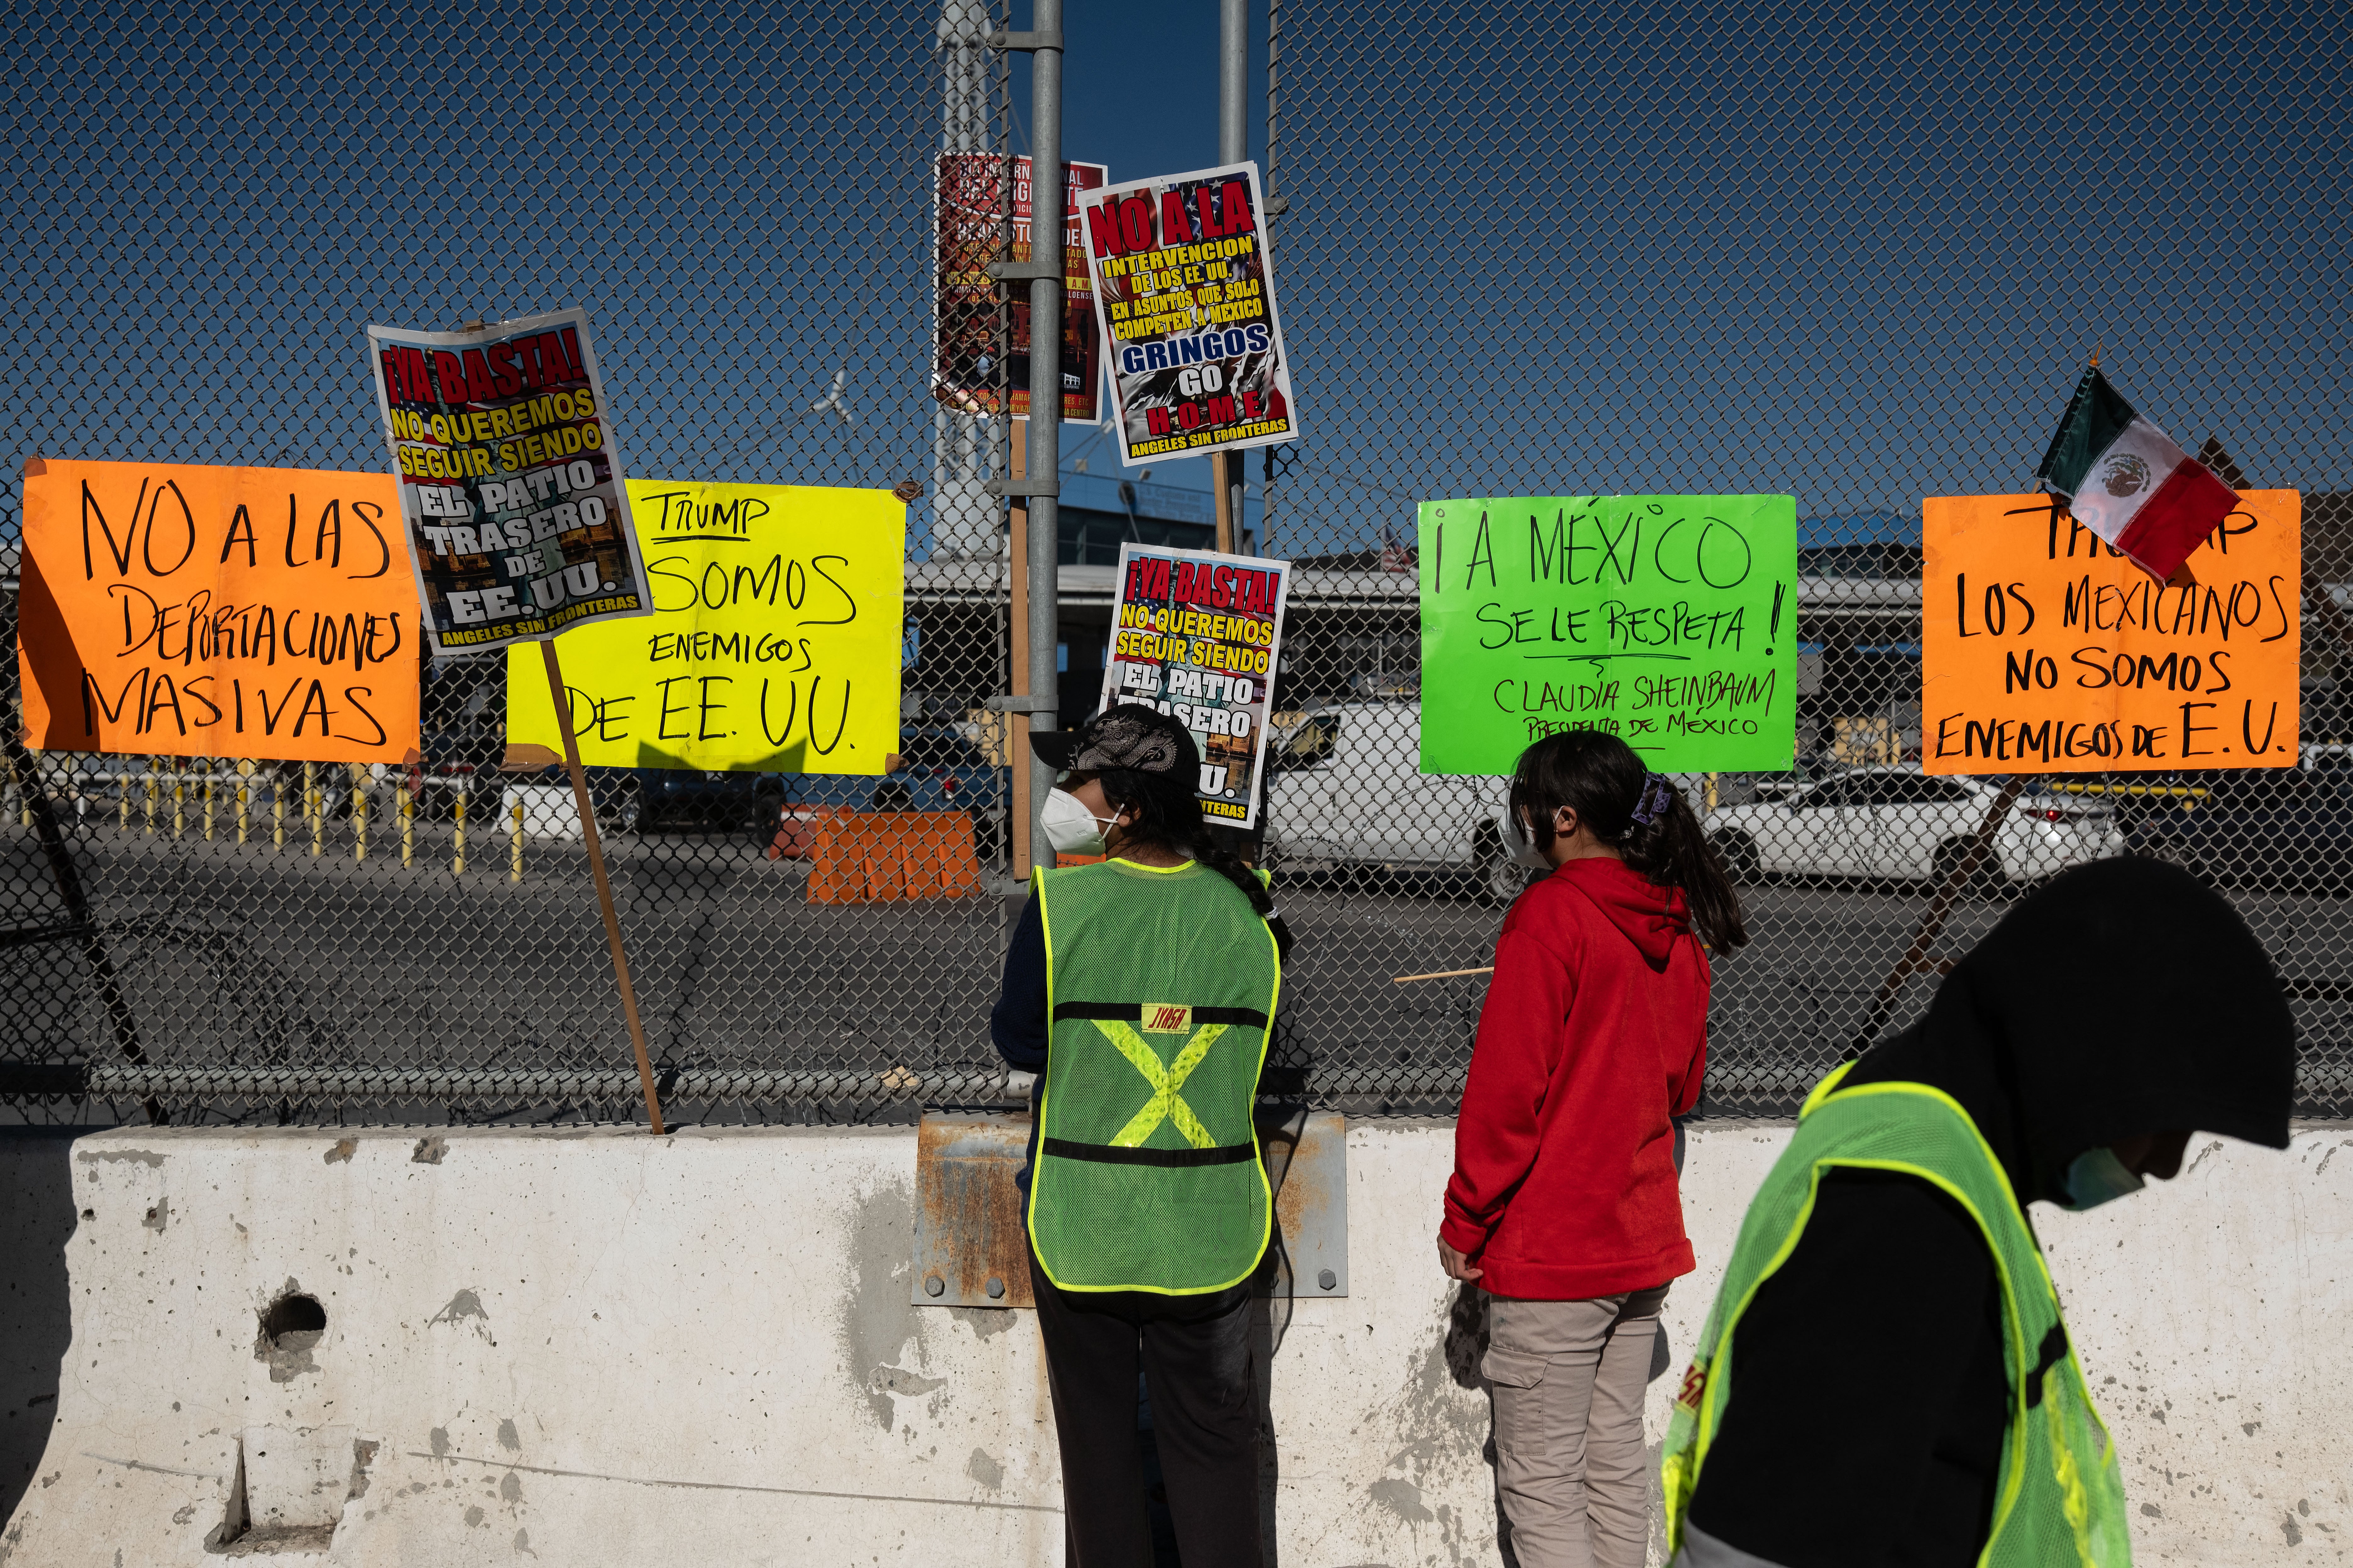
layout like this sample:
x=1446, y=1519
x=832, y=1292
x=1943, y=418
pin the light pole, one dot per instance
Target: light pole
x=963, y=514
x=1233, y=147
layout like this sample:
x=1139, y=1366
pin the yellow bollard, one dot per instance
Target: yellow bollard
x=278, y=808
x=408, y=827
x=244, y=795
x=204, y=789
x=515, y=874
x=314, y=809
x=359, y=811
x=151, y=797
x=179, y=800
x=457, y=863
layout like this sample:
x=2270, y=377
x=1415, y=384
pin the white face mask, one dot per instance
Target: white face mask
x=1069, y=827
x=1524, y=851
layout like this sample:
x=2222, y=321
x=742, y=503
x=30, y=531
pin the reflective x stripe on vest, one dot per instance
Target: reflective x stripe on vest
x=2060, y=1499
x=1165, y=1104
x=1162, y=985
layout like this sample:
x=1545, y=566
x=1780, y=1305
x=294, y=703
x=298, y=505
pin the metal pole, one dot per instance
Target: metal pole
x=1233, y=80
x=1044, y=449
x=1276, y=203
x=964, y=515
x=1233, y=147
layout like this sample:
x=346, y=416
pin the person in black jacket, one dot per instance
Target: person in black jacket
x=2111, y=1012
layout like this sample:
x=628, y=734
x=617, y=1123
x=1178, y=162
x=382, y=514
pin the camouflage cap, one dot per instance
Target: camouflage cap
x=1132, y=736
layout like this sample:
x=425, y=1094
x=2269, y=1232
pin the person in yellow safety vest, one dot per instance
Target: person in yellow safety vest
x=1885, y=1376
x=1140, y=991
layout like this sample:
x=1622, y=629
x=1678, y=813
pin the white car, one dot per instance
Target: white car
x=1345, y=786
x=1898, y=822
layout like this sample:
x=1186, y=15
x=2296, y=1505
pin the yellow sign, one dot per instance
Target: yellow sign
x=2045, y=651
x=774, y=646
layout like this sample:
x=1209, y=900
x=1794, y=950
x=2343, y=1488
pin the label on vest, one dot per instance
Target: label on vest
x=1167, y=1018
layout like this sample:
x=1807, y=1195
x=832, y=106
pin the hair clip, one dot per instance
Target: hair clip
x=1658, y=795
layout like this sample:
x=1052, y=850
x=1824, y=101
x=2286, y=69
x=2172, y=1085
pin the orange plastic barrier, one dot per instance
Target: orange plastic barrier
x=879, y=857
x=798, y=828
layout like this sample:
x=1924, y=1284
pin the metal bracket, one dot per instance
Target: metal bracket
x=1015, y=271
x=1050, y=487
x=1024, y=43
x=973, y=1250
x=1020, y=705
x=1277, y=206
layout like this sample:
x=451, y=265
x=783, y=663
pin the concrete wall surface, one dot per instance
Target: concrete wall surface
x=595, y=1347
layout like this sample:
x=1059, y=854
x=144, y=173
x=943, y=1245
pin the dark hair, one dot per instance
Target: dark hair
x=1599, y=777
x=1164, y=811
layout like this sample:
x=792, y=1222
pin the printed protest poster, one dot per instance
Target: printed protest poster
x=510, y=480
x=970, y=205
x=2044, y=650
x=178, y=609
x=1198, y=635
x=1668, y=621
x=1186, y=291
x=773, y=644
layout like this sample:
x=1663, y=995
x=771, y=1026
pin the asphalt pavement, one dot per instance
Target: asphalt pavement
x=259, y=954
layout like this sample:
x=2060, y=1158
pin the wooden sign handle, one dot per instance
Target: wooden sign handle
x=603, y=885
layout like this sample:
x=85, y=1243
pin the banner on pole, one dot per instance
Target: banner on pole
x=970, y=205
x=1185, y=292
x=2044, y=650
x=510, y=484
x=181, y=609
x=774, y=646
x=1199, y=636
x=1668, y=621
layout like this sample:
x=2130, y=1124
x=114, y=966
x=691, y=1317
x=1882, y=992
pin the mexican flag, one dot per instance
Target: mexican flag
x=2125, y=481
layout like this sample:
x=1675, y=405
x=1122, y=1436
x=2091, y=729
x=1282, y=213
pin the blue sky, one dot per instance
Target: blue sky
x=1853, y=254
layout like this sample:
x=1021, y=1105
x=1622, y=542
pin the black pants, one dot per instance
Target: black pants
x=1195, y=1353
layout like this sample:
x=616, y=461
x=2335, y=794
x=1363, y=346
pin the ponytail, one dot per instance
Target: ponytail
x=1164, y=811
x=1640, y=815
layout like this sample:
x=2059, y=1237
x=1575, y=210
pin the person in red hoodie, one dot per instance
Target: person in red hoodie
x=1563, y=1206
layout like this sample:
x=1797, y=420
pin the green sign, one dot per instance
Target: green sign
x=1670, y=621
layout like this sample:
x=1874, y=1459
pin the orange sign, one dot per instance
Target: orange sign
x=2045, y=651
x=172, y=609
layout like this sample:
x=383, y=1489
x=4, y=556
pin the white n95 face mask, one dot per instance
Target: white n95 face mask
x=1069, y=827
x=1524, y=851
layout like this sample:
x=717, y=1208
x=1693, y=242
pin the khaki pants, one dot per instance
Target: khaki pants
x=1567, y=1378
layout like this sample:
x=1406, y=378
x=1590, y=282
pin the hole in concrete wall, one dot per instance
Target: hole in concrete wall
x=293, y=1322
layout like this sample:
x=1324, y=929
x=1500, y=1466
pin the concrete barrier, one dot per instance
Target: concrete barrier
x=597, y=1347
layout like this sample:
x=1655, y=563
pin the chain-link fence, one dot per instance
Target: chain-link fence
x=205, y=210
x=1849, y=253
x=1527, y=249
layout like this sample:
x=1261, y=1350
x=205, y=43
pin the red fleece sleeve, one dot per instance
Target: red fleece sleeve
x=1521, y=1036
x=1695, y=1074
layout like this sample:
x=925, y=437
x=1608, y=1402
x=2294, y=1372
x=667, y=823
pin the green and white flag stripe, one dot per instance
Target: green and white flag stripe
x=2131, y=483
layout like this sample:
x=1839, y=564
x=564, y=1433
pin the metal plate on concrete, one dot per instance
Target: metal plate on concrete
x=971, y=1249
x=1307, y=1165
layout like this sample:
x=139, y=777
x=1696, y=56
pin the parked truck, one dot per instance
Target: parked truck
x=1345, y=788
